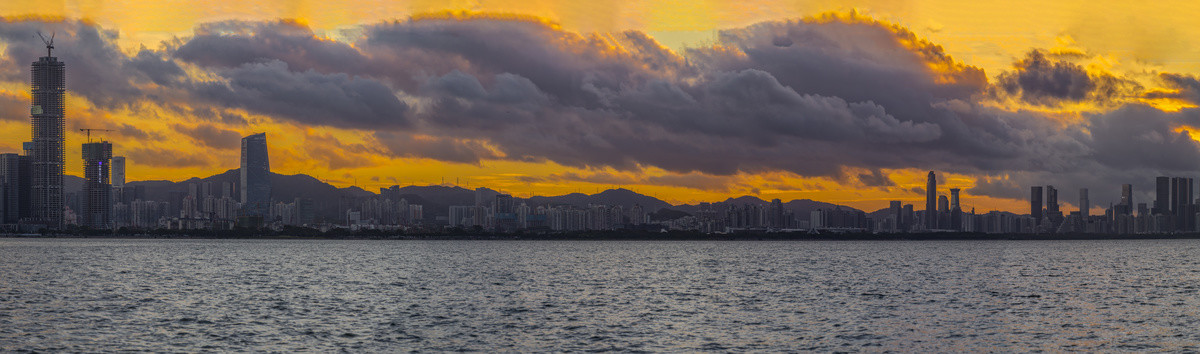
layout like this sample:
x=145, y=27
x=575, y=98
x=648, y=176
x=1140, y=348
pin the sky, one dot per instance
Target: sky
x=848, y=102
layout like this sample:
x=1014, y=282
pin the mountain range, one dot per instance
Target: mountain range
x=331, y=201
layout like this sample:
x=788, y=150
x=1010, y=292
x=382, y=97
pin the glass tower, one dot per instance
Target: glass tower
x=255, y=176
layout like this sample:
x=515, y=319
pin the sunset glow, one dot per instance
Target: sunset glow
x=843, y=102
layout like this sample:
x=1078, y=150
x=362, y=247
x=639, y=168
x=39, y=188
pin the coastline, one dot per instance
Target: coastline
x=628, y=236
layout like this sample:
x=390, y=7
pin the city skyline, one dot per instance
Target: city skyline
x=990, y=122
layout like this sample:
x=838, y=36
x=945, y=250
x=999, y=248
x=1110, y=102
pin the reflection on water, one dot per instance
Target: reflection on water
x=189, y=295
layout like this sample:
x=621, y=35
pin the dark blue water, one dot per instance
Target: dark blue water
x=258, y=295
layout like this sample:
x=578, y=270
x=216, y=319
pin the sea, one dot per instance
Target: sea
x=187, y=295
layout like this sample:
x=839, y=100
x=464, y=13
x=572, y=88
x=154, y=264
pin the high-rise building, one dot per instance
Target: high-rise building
x=1175, y=195
x=1084, y=205
x=1035, y=204
x=956, y=217
x=1127, y=195
x=1051, y=200
x=954, y=199
x=14, y=179
x=255, y=176
x=907, y=216
x=97, y=185
x=479, y=198
x=895, y=210
x=1162, y=195
x=931, y=201
x=1182, y=203
x=118, y=172
x=46, y=161
x=504, y=204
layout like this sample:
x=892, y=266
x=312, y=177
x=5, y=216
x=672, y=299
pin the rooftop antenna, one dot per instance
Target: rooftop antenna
x=49, y=43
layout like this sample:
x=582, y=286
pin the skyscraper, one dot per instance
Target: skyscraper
x=1175, y=194
x=954, y=199
x=118, y=172
x=46, y=162
x=14, y=178
x=1084, y=205
x=97, y=186
x=255, y=176
x=931, y=202
x=1051, y=200
x=1035, y=204
x=1127, y=195
x=955, y=210
x=1162, y=195
x=894, y=209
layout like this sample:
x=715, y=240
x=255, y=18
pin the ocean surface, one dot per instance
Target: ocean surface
x=517, y=296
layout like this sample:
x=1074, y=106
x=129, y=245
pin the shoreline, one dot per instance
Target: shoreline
x=633, y=236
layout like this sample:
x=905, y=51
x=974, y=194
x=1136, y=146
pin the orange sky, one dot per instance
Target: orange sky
x=1136, y=39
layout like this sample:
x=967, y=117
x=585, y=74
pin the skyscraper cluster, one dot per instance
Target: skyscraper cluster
x=1173, y=210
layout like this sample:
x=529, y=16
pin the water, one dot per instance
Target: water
x=267, y=295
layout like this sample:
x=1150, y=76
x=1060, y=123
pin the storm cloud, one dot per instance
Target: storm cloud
x=829, y=96
x=1046, y=79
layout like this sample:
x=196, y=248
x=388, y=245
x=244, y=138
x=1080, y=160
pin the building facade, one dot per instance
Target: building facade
x=255, y=176
x=97, y=185
x=47, y=111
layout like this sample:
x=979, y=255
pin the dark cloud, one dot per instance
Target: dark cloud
x=156, y=68
x=232, y=44
x=130, y=131
x=308, y=97
x=998, y=187
x=1046, y=79
x=876, y=178
x=211, y=115
x=1186, y=88
x=211, y=136
x=96, y=67
x=830, y=96
x=13, y=107
x=160, y=157
x=444, y=149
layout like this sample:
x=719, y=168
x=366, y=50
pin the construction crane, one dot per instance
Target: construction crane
x=90, y=130
x=49, y=42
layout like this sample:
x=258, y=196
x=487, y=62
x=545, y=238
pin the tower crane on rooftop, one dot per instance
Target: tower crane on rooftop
x=90, y=130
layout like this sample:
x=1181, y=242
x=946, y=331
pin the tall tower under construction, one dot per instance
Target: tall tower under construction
x=46, y=113
x=97, y=185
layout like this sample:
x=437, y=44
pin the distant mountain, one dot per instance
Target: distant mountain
x=448, y=196
x=612, y=197
x=801, y=207
x=330, y=201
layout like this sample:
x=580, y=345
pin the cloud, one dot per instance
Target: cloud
x=815, y=97
x=232, y=44
x=1046, y=79
x=165, y=157
x=211, y=136
x=1185, y=87
x=308, y=97
x=840, y=96
x=443, y=149
x=876, y=178
x=96, y=67
x=13, y=106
